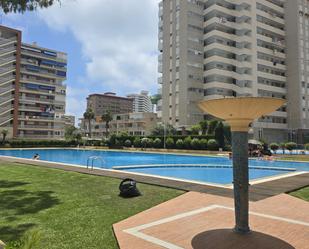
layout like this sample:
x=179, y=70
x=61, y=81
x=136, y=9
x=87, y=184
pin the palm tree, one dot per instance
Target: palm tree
x=107, y=117
x=89, y=115
x=4, y=133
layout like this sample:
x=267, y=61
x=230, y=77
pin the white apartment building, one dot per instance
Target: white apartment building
x=32, y=93
x=141, y=102
x=227, y=48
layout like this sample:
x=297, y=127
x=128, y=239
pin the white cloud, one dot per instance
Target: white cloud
x=118, y=38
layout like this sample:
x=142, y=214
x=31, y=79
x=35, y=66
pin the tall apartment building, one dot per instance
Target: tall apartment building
x=297, y=26
x=109, y=102
x=32, y=93
x=228, y=48
x=141, y=102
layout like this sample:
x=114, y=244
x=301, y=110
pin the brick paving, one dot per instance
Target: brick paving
x=279, y=222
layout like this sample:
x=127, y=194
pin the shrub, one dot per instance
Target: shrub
x=195, y=143
x=291, y=146
x=282, y=146
x=274, y=147
x=157, y=143
x=307, y=146
x=169, y=142
x=203, y=144
x=150, y=143
x=137, y=142
x=212, y=144
x=187, y=142
x=144, y=142
x=127, y=143
x=179, y=144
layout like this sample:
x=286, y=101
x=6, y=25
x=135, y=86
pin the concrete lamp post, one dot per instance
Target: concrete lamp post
x=239, y=113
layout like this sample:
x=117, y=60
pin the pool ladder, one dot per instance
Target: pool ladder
x=92, y=159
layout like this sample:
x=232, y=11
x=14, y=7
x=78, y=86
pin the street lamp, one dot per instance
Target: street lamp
x=239, y=113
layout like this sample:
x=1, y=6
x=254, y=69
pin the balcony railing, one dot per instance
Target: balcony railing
x=4, y=40
x=50, y=101
x=5, y=79
x=6, y=50
x=42, y=55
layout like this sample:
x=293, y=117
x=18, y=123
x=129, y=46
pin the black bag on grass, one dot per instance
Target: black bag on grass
x=128, y=188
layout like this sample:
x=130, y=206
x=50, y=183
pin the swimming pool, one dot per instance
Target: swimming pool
x=198, y=168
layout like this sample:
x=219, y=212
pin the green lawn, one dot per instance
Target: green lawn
x=71, y=210
x=302, y=193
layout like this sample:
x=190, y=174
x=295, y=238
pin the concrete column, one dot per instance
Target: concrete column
x=241, y=180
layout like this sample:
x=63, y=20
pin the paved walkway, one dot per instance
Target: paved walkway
x=203, y=221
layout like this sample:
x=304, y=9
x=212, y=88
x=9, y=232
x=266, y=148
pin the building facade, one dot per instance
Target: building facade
x=32, y=93
x=223, y=48
x=109, y=102
x=69, y=120
x=297, y=28
x=135, y=124
x=141, y=102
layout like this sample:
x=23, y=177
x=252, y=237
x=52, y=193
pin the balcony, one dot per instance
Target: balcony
x=34, y=118
x=35, y=100
x=5, y=99
x=5, y=120
x=4, y=80
x=7, y=60
x=4, y=41
x=41, y=55
x=6, y=70
x=7, y=51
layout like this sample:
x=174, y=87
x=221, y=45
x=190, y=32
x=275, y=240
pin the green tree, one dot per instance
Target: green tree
x=107, y=118
x=219, y=135
x=307, y=146
x=20, y=6
x=204, y=126
x=69, y=132
x=227, y=134
x=212, y=126
x=274, y=147
x=159, y=130
x=155, y=98
x=88, y=116
x=4, y=133
x=195, y=129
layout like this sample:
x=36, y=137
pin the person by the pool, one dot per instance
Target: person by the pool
x=36, y=157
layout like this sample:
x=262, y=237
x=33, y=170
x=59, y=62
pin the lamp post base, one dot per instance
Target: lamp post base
x=242, y=231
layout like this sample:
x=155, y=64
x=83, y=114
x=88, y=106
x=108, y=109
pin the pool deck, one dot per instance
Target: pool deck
x=202, y=221
x=258, y=191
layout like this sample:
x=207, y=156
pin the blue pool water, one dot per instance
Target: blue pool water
x=111, y=159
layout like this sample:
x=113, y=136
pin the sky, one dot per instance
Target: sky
x=111, y=45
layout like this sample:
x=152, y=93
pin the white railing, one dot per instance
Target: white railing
x=6, y=50
x=5, y=79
